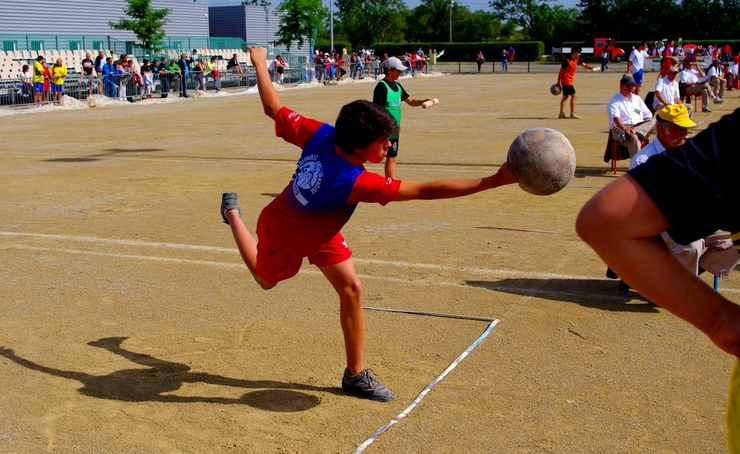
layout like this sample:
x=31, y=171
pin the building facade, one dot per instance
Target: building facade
x=91, y=17
x=254, y=24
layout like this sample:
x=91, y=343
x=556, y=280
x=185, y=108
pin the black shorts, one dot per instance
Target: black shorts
x=393, y=150
x=569, y=90
x=279, y=69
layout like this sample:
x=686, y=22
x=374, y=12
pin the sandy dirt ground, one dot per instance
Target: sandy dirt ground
x=128, y=323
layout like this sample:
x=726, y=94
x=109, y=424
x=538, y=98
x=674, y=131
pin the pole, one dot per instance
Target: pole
x=331, y=26
x=452, y=2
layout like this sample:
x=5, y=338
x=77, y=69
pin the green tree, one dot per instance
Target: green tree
x=524, y=12
x=299, y=20
x=555, y=25
x=430, y=21
x=474, y=26
x=369, y=21
x=146, y=23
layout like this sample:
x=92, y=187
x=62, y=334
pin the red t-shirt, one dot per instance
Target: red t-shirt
x=569, y=71
x=324, y=191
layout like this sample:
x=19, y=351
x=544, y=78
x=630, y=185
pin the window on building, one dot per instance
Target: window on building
x=75, y=45
x=37, y=45
x=10, y=46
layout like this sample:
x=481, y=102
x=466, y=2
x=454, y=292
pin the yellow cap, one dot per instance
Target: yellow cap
x=677, y=114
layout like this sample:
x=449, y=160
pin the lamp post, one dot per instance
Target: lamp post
x=452, y=3
x=331, y=27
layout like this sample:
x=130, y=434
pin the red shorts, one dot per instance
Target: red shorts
x=276, y=263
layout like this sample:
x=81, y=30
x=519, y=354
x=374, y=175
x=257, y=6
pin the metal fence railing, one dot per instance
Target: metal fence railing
x=133, y=86
x=125, y=87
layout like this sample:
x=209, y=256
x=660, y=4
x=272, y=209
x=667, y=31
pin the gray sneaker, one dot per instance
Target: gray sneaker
x=365, y=385
x=228, y=202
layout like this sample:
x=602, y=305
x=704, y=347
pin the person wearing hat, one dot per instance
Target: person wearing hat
x=667, y=92
x=630, y=119
x=671, y=129
x=389, y=94
x=690, y=191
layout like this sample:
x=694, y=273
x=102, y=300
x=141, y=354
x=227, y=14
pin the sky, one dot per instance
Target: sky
x=472, y=4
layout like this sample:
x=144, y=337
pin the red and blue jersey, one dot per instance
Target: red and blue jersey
x=324, y=191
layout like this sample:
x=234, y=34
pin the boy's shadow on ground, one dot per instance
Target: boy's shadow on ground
x=599, y=294
x=154, y=383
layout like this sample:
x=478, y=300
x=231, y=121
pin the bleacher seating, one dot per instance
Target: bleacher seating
x=11, y=62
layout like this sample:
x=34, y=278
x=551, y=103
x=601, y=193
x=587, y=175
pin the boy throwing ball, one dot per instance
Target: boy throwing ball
x=306, y=218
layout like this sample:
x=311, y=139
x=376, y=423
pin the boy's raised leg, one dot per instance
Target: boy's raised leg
x=244, y=240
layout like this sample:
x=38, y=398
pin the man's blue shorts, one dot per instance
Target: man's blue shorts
x=57, y=88
x=39, y=87
x=638, y=77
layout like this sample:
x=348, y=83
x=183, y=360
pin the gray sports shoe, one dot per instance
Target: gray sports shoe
x=228, y=202
x=365, y=385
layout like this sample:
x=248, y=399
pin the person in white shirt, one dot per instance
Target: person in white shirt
x=732, y=73
x=667, y=92
x=636, y=63
x=716, y=81
x=630, y=120
x=689, y=79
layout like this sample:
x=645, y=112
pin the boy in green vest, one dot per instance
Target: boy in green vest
x=389, y=94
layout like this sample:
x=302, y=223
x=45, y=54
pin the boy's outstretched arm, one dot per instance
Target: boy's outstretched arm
x=269, y=97
x=447, y=189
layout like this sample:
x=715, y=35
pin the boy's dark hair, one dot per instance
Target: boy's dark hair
x=361, y=123
x=575, y=49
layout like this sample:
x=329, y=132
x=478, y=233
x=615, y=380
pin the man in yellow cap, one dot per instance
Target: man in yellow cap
x=672, y=127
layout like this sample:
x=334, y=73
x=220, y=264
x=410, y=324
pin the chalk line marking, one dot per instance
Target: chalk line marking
x=495, y=273
x=492, y=324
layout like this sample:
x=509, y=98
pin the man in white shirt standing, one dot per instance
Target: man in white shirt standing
x=667, y=92
x=630, y=120
x=636, y=63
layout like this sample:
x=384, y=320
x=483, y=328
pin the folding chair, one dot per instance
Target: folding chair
x=615, y=151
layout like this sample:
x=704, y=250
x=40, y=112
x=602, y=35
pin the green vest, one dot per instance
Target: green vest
x=393, y=103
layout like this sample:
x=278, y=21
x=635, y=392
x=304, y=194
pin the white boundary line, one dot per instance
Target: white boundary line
x=493, y=322
x=385, y=263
